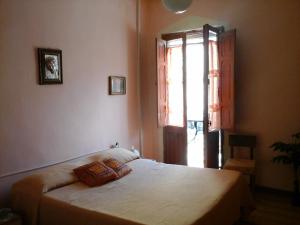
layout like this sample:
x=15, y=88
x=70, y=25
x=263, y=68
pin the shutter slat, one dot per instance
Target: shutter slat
x=227, y=73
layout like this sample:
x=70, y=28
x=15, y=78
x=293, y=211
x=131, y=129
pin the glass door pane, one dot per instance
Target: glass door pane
x=213, y=84
x=175, y=98
x=195, y=91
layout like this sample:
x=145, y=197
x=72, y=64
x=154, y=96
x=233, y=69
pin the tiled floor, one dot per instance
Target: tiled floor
x=273, y=209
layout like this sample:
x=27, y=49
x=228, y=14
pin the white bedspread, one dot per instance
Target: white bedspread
x=153, y=194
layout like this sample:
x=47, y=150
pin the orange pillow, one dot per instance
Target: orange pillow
x=120, y=168
x=95, y=174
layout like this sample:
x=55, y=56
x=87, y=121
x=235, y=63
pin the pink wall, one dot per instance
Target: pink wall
x=44, y=124
x=268, y=75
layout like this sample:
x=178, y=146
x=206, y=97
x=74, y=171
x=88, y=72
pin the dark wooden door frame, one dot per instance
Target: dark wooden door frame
x=215, y=135
x=178, y=134
x=211, y=139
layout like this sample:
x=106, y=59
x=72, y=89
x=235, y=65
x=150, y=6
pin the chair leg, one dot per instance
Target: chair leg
x=252, y=183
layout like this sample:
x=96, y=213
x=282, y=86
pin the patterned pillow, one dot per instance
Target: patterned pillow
x=120, y=168
x=95, y=174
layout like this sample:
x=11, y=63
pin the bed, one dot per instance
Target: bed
x=152, y=194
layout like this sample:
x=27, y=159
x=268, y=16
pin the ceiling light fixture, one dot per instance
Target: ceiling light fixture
x=177, y=6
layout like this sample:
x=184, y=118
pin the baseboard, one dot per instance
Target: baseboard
x=272, y=190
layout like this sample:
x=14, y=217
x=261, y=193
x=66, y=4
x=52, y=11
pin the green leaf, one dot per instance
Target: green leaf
x=297, y=135
x=281, y=147
x=282, y=159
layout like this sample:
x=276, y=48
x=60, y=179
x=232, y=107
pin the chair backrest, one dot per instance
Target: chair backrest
x=237, y=140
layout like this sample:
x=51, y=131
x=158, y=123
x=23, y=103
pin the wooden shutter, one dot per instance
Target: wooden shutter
x=226, y=50
x=161, y=61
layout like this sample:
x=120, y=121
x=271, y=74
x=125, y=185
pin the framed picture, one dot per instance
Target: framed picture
x=50, y=66
x=117, y=85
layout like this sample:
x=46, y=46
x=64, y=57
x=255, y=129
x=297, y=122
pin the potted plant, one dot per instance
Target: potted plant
x=5, y=215
x=290, y=154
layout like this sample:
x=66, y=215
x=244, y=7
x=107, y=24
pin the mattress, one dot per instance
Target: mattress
x=152, y=194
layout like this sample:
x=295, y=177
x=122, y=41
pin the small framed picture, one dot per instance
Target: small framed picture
x=117, y=85
x=50, y=66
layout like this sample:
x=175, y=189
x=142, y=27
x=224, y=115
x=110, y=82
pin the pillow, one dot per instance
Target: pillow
x=120, y=168
x=95, y=174
x=121, y=154
x=49, y=178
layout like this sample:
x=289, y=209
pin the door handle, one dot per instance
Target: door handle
x=209, y=123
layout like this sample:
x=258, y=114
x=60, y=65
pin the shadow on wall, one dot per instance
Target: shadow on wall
x=191, y=23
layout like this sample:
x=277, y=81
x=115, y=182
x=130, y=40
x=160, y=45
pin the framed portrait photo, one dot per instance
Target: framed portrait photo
x=117, y=85
x=50, y=66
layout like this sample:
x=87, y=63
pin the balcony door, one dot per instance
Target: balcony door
x=171, y=55
x=217, y=58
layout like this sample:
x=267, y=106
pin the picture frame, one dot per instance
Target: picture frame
x=117, y=85
x=50, y=66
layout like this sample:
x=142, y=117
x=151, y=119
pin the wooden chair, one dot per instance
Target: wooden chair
x=245, y=166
